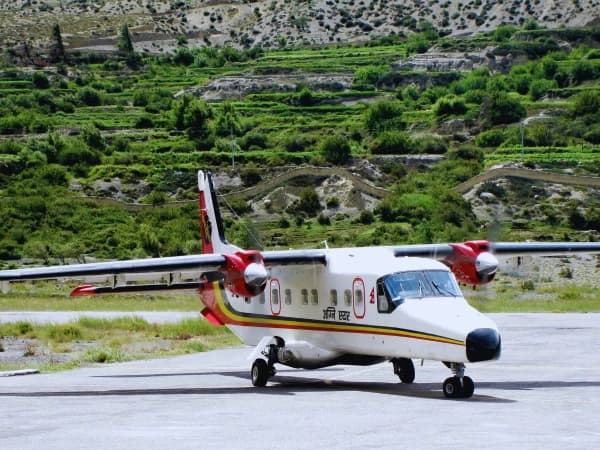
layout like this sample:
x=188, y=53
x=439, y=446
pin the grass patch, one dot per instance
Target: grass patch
x=30, y=297
x=553, y=299
x=90, y=340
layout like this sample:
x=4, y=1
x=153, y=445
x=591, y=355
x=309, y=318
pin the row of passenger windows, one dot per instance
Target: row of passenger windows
x=312, y=297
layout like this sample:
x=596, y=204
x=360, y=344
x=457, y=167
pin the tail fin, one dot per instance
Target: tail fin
x=212, y=232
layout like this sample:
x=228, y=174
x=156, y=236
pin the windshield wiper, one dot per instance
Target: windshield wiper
x=441, y=290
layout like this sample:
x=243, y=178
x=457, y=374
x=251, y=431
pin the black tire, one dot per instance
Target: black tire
x=468, y=387
x=259, y=373
x=407, y=371
x=452, y=387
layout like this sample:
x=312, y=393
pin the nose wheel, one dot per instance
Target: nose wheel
x=458, y=386
x=455, y=387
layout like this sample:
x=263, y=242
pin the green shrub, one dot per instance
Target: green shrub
x=539, y=88
x=366, y=217
x=90, y=97
x=499, y=108
x=586, y=102
x=583, y=70
x=450, y=105
x=250, y=176
x=183, y=57
x=144, y=122
x=298, y=142
x=392, y=143
x=40, y=80
x=308, y=203
x=490, y=138
x=336, y=149
x=252, y=141
x=384, y=115
x=74, y=154
x=304, y=98
x=140, y=98
x=429, y=144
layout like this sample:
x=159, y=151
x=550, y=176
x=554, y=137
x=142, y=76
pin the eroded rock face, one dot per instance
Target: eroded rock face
x=231, y=87
x=435, y=61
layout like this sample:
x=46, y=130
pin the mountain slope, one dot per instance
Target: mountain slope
x=269, y=23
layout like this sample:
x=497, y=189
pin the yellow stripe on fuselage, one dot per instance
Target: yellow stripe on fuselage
x=308, y=324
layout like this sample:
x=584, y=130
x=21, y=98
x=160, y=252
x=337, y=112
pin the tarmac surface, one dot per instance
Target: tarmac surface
x=544, y=392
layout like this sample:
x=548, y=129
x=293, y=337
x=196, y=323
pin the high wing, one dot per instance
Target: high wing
x=475, y=262
x=501, y=248
x=198, y=268
x=200, y=263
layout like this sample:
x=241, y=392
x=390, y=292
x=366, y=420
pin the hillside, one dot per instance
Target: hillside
x=157, y=24
x=414, y=116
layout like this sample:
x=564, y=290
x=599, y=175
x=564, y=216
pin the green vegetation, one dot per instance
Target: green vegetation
x=89, y=340
x=551, y=298
x=122, y=126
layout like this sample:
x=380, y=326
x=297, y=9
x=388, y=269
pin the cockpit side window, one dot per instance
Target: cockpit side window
x=383, y=302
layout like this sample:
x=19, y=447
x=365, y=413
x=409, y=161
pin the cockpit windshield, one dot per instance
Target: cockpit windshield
x=419, y=284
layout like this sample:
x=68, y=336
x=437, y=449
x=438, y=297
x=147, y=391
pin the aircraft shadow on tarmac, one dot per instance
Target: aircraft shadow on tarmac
x=289, y=385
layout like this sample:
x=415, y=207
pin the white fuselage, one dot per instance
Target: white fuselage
x=334, y=307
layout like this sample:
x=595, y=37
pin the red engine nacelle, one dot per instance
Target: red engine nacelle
x=472, y=263
x=245, y=273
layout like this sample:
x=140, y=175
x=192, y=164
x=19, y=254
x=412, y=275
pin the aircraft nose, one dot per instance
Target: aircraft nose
x=483, y=344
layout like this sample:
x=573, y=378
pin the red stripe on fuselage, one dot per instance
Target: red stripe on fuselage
x=209, y=297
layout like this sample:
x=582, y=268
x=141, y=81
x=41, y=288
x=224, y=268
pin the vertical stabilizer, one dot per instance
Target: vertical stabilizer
x=212, y=232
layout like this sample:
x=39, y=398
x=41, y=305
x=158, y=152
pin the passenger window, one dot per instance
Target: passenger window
x=261, y=298
x=348, y=297
x=333, y=297
x=288, y=296
x=314, y=297
x=304, y=294
x=275, y=296
x=358, y=295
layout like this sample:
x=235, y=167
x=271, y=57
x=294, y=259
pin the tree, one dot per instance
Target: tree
x=309, y=202
x=499, y=108
x=125, y=45
x=125, y=42
x=227, y=121
x=384, y=115
x=192, y=115
x=392, y=143
x=586, y=102
x=583, y=70
x=40, y=80
x=336, y=149
x=58, y=49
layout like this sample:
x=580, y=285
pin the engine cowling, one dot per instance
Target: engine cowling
x=245, y=273
x=472, y=263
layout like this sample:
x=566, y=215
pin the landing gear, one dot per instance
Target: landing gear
x=259, y=373
x=263, y=369
x=458, y=386
x=405, y=369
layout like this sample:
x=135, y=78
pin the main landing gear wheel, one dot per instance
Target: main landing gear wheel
x=260, y=373
x=405, y=369
x=455, y=387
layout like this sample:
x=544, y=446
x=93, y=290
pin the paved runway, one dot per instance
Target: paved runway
x=543, y=393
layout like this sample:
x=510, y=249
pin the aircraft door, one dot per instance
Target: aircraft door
x=358, y=298
x=275, y=297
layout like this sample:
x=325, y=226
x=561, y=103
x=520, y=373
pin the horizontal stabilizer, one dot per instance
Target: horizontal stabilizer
x=88, y=289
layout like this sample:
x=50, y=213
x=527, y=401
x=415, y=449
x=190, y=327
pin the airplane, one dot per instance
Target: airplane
x=321, y=307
